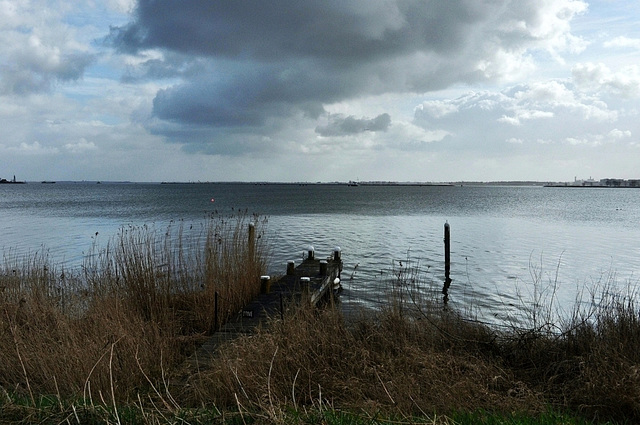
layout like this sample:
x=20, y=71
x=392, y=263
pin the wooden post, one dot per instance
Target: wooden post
x=265, y=284
x=310, y=252
x=252, y=240
x=447, y=261
x=337, y=256
x=323, y=267
x=305, y=283
x=291, y=268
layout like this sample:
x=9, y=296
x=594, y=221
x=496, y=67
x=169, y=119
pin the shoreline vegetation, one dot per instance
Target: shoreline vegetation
x=107, y=344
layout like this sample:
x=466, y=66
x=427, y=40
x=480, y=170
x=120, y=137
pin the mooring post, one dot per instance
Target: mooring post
x=252, y=240
x=447, y=261
x=265, y=284
x=305, y=283
x=291, y=268
x=337, y=252
x=323, y=267
x=310, y=252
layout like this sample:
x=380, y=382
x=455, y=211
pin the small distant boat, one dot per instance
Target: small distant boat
x=352, y=183
x=47, y=182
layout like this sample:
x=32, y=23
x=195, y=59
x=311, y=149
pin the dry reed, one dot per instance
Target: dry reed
x=412, y=358
x=107, y=337
x=106, y=332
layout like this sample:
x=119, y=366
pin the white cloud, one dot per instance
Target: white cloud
x=623, y=42
x=81, y=146
x=37, y=48
x=122, y=6
x=34, y=148
x=616, y=134
x=521, y=115
x=437, y=108
x=547, y=113
x=547, y=92
x=599, y=77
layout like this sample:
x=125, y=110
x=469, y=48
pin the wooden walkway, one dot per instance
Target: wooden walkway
x=313, y=280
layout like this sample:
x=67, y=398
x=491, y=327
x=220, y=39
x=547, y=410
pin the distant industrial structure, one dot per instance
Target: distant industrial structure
x=590, y=182
x=14, y=181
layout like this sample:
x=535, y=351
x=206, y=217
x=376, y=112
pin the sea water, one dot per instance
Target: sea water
x=510, y=246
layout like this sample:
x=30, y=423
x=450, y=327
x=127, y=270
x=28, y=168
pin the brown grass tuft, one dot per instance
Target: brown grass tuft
x=135, y=309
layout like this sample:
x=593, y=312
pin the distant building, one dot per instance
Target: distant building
x=589, y=182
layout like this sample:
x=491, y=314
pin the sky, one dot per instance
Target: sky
x=332, y=90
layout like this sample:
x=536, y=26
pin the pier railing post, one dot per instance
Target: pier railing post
x=323, y=267
x=305, y=283
x=337, y=253
x=265, y=284
x=310, y=252
x=291, y=268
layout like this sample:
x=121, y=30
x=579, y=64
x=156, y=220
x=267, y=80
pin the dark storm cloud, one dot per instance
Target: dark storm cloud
x=341, y=126
x=244, y=63
x=339, y=30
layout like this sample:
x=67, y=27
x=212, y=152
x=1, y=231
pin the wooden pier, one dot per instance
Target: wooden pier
x=313, y=281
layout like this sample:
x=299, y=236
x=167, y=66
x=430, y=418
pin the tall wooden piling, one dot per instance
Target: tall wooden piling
x=252, y=241
x=447, y=261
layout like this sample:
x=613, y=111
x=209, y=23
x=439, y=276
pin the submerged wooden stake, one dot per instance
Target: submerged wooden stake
x=252, y=240
x=447, y=262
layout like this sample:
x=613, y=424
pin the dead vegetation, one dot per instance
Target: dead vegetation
x=103, y=342
x=136, y=308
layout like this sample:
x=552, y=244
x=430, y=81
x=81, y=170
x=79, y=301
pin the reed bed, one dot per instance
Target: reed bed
x=413, y=358
x=100, y=345
x=111, y=330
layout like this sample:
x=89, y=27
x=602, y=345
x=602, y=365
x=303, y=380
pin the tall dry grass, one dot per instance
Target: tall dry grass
x=109, y=330
x=108, y=336
x=412, y=357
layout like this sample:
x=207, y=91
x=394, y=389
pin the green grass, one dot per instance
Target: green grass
x=49, y=409
x=547, y=418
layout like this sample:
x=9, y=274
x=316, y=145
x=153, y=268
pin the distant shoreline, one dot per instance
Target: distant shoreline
x=338, y=183
x=591, y=187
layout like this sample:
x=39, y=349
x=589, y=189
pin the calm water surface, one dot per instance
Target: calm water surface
x=503, y=239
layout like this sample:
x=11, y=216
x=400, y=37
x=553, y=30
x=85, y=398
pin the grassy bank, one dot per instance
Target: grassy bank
x=102, y=345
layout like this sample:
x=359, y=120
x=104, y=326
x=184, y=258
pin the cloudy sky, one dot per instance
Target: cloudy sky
x=293, y=90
